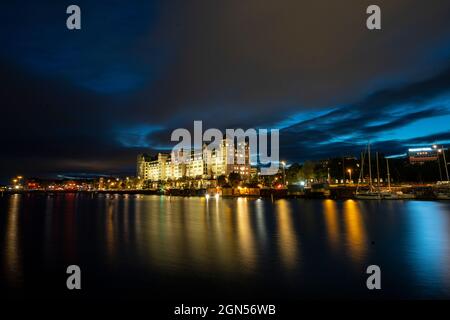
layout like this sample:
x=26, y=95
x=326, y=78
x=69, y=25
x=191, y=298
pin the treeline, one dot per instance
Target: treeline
x=349, y=168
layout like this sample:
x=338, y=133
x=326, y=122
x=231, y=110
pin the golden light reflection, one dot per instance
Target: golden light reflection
x=70, y=227
x=49, y=213
x=355, y=230
x=165, y=232
x=203, y=235
x=13, y=263
x=245, y=234
x=225, y=239
x=331, y=221
x=260, y=222
x=287, y=240
x=196, y=235
x=126, y=218
x=111, y=234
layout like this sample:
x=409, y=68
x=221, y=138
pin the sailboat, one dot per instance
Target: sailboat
x=442, y=196
x=389, y=194
x=370, y=194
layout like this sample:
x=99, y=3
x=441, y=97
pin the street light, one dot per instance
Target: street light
x=442, y=149
x=445, y=162
x=439, y=163
x=350, y=174
x=284, y=172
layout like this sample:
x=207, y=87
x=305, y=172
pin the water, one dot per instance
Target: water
x=169, y=248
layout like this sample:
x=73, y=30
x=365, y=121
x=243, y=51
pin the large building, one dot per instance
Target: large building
x=205, y=163
x=421, y=155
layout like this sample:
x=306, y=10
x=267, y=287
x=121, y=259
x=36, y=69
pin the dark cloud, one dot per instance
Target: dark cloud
x=345, y=129
x=49, y=126
x=88, y=101
x=270, y=58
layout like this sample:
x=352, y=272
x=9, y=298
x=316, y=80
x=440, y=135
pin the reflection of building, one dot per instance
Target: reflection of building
x=227, y=158
x=421, y=155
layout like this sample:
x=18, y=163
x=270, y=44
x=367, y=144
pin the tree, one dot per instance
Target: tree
x=221, y=180
x=234, y=178
x=307, y=170
x=292, y=173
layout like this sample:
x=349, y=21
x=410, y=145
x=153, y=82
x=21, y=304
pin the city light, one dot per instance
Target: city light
x=419, y=149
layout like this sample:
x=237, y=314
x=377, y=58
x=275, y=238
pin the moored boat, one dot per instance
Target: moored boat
x=442, y=196
x=399, y=195
x=368, y=195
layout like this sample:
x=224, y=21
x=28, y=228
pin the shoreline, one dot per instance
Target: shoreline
x=200, y=193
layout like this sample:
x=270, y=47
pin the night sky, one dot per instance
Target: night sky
x=88, y=101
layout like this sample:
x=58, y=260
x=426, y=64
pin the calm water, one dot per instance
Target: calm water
x=174, y=248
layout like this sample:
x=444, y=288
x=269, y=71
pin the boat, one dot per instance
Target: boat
x=442, y=196
x=370, y=194
x=389, y=194
x=398, y=195
x=406, y=195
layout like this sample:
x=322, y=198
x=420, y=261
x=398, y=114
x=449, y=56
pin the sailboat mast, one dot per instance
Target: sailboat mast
x=361, y=173
x=378, y=174
x=445, y=163
x=370, y=168
x=388, y=174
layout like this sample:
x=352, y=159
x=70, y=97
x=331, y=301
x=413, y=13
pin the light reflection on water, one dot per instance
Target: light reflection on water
x=287, y=241
x=12, y=257
x=355, y=230
x=428, y=234
x=284, y=243
x=332, y=223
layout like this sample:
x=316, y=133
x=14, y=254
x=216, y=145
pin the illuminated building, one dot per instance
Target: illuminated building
x=421, y=155
x=142, y=169
x=205, y=163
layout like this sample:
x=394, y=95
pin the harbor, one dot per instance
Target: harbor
x=165, y=246
x=314, y=191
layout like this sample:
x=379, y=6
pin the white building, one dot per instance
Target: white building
x=196, y=164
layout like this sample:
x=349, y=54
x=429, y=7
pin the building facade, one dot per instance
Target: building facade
x=421, y=155
x=197, y=164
